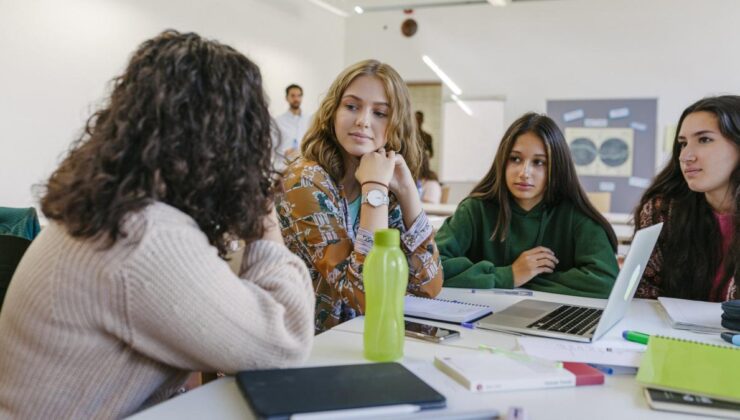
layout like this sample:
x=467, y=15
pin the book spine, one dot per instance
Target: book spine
x=454, y=374
x=525, y=383
x=585, y=374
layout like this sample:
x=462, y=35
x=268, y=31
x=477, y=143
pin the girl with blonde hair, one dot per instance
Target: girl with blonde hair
x=360, y=158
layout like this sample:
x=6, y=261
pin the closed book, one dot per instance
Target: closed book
x=363, y=390
x=692, y=404
x=691, y=367
x=585, y=373
x=484, y=372
x=693, y=315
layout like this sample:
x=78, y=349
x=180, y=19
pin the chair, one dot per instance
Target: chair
x=12, y=249
x=21, y=222
x=445, y=194
x=601, y=200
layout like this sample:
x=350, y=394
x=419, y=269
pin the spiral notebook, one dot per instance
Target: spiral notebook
x=444, y=310
x=691, y=367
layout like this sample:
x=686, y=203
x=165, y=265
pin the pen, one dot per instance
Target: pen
x=352, y=413
x=635, y=337
x=731, y=338
x=484, y=414
x=470, y=325
x=602, y=368
x=521, y=356
x=516, y=413
x=511, y=292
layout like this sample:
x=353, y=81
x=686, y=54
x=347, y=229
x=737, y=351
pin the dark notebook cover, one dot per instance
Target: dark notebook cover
x=688, y=403
x=278, y=393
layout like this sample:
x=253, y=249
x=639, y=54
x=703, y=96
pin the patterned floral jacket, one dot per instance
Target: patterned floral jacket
x=313, y=213
x=653, y=212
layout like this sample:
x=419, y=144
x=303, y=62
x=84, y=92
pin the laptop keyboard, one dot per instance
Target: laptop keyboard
x=576, y=320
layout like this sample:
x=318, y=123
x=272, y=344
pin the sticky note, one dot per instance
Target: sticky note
x=595, y=122
x=606, y=186
x=619, y=113
x=576, y=114
x=638, y=182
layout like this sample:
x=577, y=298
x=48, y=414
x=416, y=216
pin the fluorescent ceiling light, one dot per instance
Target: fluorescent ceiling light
x=499, y=2
x=359, y=10
x=462, y=105
x=446, y=79
x=329, y=7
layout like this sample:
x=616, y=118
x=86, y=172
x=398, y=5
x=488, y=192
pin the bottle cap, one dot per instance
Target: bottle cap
x=387, y=237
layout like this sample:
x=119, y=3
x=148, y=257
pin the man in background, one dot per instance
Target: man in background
x=292, y=126
x=426, y=137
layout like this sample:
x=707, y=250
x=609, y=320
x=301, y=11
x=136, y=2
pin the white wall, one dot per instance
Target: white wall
x=56, y=58
x=675, y=50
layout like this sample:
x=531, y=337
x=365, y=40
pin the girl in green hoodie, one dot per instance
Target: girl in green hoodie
x=528, y=223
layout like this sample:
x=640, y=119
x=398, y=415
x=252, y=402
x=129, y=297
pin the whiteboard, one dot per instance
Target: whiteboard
x=469, y=142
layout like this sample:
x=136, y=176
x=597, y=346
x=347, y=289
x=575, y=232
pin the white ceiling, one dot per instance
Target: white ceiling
x=384, y=5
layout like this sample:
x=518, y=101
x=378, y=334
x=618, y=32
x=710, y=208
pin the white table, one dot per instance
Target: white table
x=447, y=209
x=618, y=218
x=619, y=398
x=444, y=209
x=436, y=221
x=624, y=233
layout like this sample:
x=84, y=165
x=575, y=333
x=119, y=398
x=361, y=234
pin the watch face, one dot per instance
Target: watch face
x=375, y=197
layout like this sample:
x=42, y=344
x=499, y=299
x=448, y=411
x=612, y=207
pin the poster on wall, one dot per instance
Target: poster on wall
x=601, y=151
x=613, y=145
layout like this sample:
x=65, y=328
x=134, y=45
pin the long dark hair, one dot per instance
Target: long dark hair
x=562, y=181
x=186, y=124
x=690, y=242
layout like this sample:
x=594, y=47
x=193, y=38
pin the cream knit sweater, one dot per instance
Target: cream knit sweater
x=90, y=333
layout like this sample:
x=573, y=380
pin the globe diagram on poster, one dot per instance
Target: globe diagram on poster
x=601, y=151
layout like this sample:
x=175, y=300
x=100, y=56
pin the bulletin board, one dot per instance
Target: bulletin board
x=612, y=142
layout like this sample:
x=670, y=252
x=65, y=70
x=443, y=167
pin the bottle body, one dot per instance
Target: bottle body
x=385, y=277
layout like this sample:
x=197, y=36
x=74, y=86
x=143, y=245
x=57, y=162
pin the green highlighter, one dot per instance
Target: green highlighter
x=636, y=337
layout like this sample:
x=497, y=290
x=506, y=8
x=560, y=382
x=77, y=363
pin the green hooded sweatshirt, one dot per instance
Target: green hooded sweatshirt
x=587, y=265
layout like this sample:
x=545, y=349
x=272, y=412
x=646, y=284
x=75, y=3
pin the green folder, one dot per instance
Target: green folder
x=691, y=367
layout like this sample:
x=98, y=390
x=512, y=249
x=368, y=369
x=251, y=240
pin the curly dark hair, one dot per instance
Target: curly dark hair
x=186, y=124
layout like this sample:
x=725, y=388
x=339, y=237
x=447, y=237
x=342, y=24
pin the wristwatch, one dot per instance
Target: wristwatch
x=375, y=198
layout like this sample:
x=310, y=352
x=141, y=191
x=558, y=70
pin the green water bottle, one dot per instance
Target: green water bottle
x=385, y=275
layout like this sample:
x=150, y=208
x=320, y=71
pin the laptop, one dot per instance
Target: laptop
x=574, y=322
x=375, y=389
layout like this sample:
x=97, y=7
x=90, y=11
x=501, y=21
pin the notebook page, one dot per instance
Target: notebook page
x=614, y=353
x=443, y=310
x=693, y=314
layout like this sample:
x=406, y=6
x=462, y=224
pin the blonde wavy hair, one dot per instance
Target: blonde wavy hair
x=320, y=143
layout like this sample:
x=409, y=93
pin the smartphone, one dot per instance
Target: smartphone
x=429, y=332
